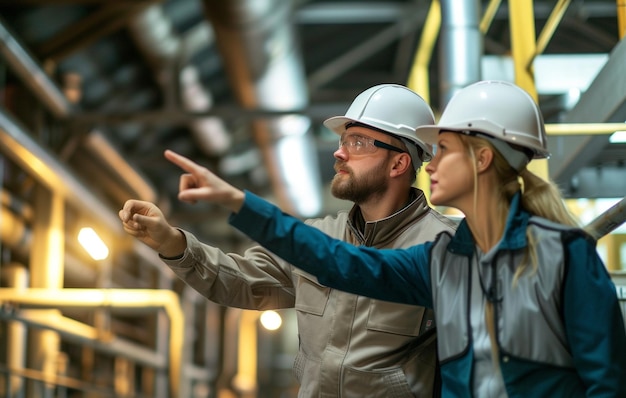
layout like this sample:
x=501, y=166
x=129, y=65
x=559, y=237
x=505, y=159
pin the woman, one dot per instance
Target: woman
x=524, y=306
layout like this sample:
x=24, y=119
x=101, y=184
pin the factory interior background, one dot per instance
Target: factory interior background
x=93, y=91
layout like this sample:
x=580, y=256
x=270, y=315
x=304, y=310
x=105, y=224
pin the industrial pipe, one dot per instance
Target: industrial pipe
x=140, y=299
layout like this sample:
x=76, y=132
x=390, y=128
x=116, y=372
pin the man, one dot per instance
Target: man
x=350, y=346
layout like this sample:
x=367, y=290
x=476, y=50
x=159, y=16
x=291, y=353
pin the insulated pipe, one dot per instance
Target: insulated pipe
x=57, y=103
x=32, y=75
x=608, y=221
x=155, y=36
x=30, y=155
x=461, y=47
x=80, y=333
x=40, y=164
x=100, y=148
x=13, y=233
x=262, y=58
x=140, y=299
x=48, y=171
x=17, y=276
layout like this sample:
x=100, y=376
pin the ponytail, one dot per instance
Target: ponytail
x=543, y=198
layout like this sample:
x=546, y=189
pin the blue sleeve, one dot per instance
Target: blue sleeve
x=594, y=322
x=399, y=275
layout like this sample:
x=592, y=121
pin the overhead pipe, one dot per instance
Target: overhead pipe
x=32, y=75
x=168, y=54
x=17, y=236
x=80, y=333
x=48, y=171
x=257, y=43
x=55, y=100
x=14, y=234
x=17, y=278
x=608, y=221
x=140, y=299
x=100, y=148
x=461, y=47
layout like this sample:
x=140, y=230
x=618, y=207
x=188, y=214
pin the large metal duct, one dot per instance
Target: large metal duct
x=461, y=47
x=167, y=52
x=256, y=40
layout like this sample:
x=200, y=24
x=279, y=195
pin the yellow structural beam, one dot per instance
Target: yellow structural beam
x=523, y=49
x=523, y=45
x=621, y=18
x=418, y=76
x=584, y=128
x=245, y=380
x=550, y=26
x=489, y=14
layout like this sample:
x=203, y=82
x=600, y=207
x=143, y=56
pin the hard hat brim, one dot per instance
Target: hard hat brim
x=429, y=134
x=338, y=123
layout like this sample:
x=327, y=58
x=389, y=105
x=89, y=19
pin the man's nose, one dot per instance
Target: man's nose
x=341, y=153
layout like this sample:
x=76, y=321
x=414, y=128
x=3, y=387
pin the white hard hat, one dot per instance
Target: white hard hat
x=499, y=110
x=394, y=109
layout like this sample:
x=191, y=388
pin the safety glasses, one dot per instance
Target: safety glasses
x=358, y=144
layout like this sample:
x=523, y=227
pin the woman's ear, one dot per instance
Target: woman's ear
x=484, y=158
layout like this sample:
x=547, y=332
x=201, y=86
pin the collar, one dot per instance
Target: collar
x=378, y=233
x=514, y=232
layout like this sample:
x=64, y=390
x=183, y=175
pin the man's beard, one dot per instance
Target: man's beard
x=360, y=189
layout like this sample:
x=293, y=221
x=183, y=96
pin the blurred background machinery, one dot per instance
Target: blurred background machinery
x=92, y=92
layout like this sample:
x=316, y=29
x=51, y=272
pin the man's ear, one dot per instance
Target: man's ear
x=401, y=164
x=484, y=158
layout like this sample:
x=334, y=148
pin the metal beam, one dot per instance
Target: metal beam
x=604, y=101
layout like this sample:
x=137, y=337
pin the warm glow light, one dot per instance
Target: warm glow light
x=93, y=244
x=271, y=320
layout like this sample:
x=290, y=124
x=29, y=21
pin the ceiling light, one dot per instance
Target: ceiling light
x=618, y=137
x=92, y=243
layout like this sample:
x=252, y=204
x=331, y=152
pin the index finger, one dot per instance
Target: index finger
x=182, y=162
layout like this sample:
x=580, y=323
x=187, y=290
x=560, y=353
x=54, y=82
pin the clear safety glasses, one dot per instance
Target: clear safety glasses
x=358, y=144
